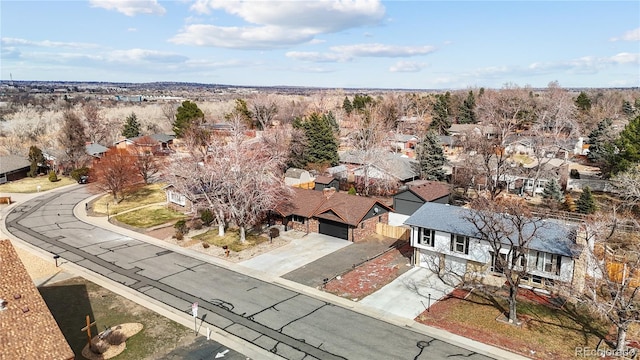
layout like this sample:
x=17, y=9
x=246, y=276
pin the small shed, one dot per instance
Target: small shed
x=326, y=182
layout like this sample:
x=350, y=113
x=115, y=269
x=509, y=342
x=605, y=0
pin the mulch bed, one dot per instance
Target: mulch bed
x=372, y=275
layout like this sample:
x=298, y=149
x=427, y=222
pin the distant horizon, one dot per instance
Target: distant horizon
x=2, y=81
x=341, y=44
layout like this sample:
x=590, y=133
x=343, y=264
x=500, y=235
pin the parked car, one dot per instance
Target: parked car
x=83, y=179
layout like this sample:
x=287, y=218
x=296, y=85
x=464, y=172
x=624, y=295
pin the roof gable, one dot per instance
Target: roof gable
x=11, y=163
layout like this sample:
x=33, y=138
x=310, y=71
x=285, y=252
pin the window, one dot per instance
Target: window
x=546, y=262
x=298, y=219
x=426, y=237
x=460, y=244
x=177, y=198
x=497, y=263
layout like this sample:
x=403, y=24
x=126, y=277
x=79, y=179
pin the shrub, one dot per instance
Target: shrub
x=116, y=337
x=52, y=176
x=206, y=216
x=77, y=173
x=352, y=190
x=181, y=226
x=196, y=224
x=98, y=346
x=205, y=245
x=574, y=174
x=179, y=235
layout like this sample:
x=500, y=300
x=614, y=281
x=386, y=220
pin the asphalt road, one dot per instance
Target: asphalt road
x=285, y=322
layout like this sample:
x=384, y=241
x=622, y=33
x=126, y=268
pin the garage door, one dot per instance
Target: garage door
x=334, y=229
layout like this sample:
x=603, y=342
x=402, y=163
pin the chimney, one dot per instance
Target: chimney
x=328, y=192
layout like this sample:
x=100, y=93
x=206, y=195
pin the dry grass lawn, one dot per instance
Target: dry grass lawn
x=547, y=332
x=231, y=239
x=147, y=217
x=30, y=185
x=146, y=195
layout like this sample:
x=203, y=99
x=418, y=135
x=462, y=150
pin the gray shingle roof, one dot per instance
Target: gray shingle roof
x=94, y=149
x=11, y=163
x=551, y=237
x=401, y=167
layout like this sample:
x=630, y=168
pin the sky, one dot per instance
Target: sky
x=324, y=43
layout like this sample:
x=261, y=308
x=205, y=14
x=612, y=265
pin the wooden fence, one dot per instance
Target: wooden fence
x=617, y=268
x=395, y=232
x=309, y=185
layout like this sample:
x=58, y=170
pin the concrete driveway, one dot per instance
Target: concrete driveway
x=297, y=253
x=410, y=294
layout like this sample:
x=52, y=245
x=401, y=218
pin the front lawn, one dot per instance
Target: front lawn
x=146, y=195
x=231, y=239
x=149, y=216
x=548, y=332
x=30, y=185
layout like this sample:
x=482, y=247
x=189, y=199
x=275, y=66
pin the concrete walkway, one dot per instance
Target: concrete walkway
x=410, y=294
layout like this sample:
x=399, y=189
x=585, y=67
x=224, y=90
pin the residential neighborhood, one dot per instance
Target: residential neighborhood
x=507, y=216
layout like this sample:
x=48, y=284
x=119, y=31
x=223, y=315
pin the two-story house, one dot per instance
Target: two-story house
x=444, y=239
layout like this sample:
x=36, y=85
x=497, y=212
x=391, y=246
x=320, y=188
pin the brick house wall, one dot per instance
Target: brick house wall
x=367, y=227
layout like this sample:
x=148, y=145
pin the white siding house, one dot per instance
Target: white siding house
x=444, y=241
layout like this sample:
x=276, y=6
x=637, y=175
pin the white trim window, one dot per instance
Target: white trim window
x=177, y=198
x=460, y=244
x=426, y=237
x=545, y=262
x=497, y=266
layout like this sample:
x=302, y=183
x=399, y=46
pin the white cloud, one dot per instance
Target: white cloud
x=407, y=66
x=132, y=29
x=631, y=35
x=265, y=37
x=142, y=55
x=130, y=7
x=381, y=50
x=626, y=58
x=46, y=43
x=317, y=56
x=286, y=22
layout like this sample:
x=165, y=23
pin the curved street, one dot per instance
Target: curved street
x=278, y=317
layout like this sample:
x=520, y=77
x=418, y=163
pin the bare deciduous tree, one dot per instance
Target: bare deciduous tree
x=116, y=173
x=147, y=157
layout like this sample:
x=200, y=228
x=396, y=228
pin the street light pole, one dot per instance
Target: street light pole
x=107, y=211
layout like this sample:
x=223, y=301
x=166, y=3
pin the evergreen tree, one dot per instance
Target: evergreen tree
x=602, y=150
x=346, y=106
x=360, y=102
x=552, y=190
x=628, y=146
x=36, y=159
x=441, y=110
x=431, y=158
x=586, y=204
x=467, y=112
x=583, y=102
x=131, y=127
x=186, y=115
x=246, y=115
x=321, y=144
x=627, y=108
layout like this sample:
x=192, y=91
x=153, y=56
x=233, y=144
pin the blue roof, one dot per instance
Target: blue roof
x=551, y=236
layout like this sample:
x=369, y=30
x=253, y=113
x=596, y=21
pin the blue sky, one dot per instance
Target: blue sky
x=324, y=43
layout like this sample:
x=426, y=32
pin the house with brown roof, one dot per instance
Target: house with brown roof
x=332, y=213
x=414, y=195
x=27, y=328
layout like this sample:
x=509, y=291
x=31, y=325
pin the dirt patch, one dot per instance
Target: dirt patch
x=372, y=275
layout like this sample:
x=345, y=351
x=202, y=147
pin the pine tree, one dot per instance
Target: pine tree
x=320, y=144
x=552, y=190
x=131, y=127
x=431, y=158
x=583, y=102
x=186, y=115
x=36, y=159
x=586, y=204
x=467, y=112
x=627, y=108
x=628, y=145
x=441, y=110
x=346, y=106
